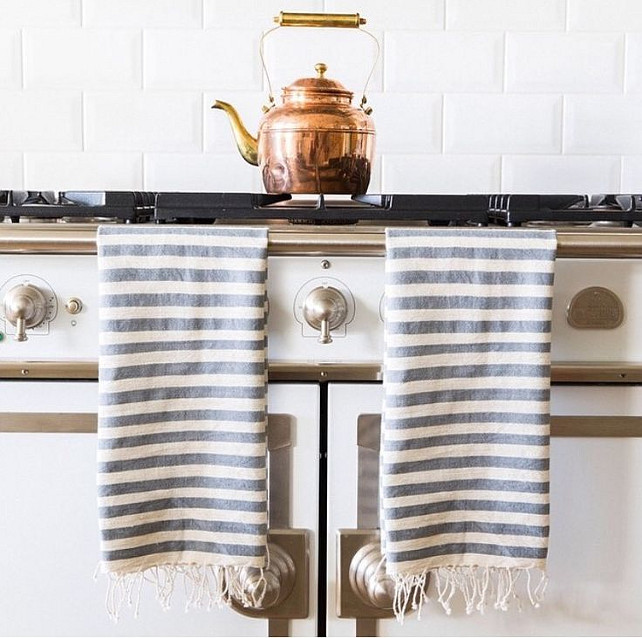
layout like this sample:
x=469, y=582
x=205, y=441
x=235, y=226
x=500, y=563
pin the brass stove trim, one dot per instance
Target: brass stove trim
x=354, y=241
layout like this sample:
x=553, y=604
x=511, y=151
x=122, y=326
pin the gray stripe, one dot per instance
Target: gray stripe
x=177, y=250
x=469, y=527
x=403, y=352
x=472, y=253
x=176, y=323
x=146, y=300
x=527, y=487
x=474, y=394
x=185, y=545
x=147, y=418
x=470, y=548
x=183, y=524
x=195, y=392
x=173, y=460
x=453, y=462
x=182, y=274
x=178, y=482
x=479, y=277
x=186, y=368
x=480, y=438
x=466, y=372
x=469, y=302
x=136, y=347
x=450, y=327
x=468, y=417
x=115, y=511
x=179, y=436
x=463, y=505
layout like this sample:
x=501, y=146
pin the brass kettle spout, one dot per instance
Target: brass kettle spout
x=247, y=144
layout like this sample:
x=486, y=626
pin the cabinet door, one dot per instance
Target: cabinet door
x=596, y=521
x=49, y=525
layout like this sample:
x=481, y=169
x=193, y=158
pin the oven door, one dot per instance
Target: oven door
x=49, y=526
x=596, y=520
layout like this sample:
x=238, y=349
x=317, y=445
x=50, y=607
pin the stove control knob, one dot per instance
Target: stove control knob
x=325, y=309
x=25, y=307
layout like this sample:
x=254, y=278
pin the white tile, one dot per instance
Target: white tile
x=407, y=122
x=443, y=61
x=11, y=171
x=506, y=15
x=218, y=133
x=201, y=59
x=40, y=120
x=10, y=59
x=142, y=13
x=349, y=54
x=82, y=58
x=609, y=124
x=143, y=121
x=440, y=174
x=560, y=174
x=633, y=79
x=84, y=171
x=249, y=14
x=605, y=15
x=383, y=14
x=631, y=174
x=51, y=13
x=502, y=123
x=564, y=63
x=200, y=172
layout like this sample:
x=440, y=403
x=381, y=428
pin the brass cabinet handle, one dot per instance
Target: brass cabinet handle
x=340, y=20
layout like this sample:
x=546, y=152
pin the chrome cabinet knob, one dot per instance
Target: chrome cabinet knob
x=262, y=591
x=25, y=307
x=325, y=309
x=368, y=578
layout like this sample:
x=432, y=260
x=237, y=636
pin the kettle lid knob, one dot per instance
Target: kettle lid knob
x=320, y=68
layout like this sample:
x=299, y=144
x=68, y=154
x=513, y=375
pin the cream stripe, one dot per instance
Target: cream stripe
x=173, y=471
x=532, y=429
x=182, y=239
x=469, y=495
x=458, y=338
x=190, y=492
x=464, y=473
x=186, y=536
x=205, y=425
x=184, y=356
x=468, y=538
x=445, y=314
x=181, y=312
x=466, y=449
x=464, y=359
x=435, y=264
x=462, y=241
x=146, y=336
x=183, y=287
x=185, y=381
x=183, y=447
x=171, y=261
x=474, y=290
x=467, y=383
x=484, y=516
x=147, y=407
x=457, y=407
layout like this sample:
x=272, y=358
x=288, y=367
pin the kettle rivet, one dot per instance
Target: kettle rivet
x=325, y=264
x=320, y=68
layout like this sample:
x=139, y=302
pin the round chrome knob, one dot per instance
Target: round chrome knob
x=25, y=307
x=258, y=591
x=368, y=578
x=325, y=309
x=73, y=305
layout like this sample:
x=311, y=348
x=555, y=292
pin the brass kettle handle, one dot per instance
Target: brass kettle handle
x=340, y=20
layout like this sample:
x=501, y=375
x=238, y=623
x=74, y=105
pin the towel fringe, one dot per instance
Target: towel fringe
x=203, y=586
x=478, y=586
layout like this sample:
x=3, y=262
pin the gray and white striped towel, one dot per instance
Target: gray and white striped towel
x=466, y=412
x=182, y=414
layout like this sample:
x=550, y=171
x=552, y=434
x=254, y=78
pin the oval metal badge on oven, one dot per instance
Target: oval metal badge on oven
x=595, y=308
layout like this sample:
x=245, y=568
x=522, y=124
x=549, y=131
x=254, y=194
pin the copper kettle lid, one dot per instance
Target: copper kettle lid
x=319, y=86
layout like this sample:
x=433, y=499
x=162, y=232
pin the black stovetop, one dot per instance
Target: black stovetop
x=185, y=208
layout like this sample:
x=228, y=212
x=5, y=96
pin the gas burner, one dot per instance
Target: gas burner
x=76, y=206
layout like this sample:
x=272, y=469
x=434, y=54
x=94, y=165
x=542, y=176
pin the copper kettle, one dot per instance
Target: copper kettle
x=316, y=141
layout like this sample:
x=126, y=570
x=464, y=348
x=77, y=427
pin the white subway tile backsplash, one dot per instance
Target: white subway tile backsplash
x=609, y=124
x=40, y=120
x=440, y=174
x=143, y=121
x=564, y=63
x=383, y=14
x=42, y=13
x=188, y=59
x=142, y=13
x=502, y=124
x=632, y=174
x=200, y=172
x=246, y=14
x=407, y=122
x=83, y=171
x=348, y=53
x=218, y=138
x=10, y=59
x=633, y=78
x=560, y=174
x=605, y=15
x=82, y=58
x=443, y=61
x=11, y=171
x=506, y=15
